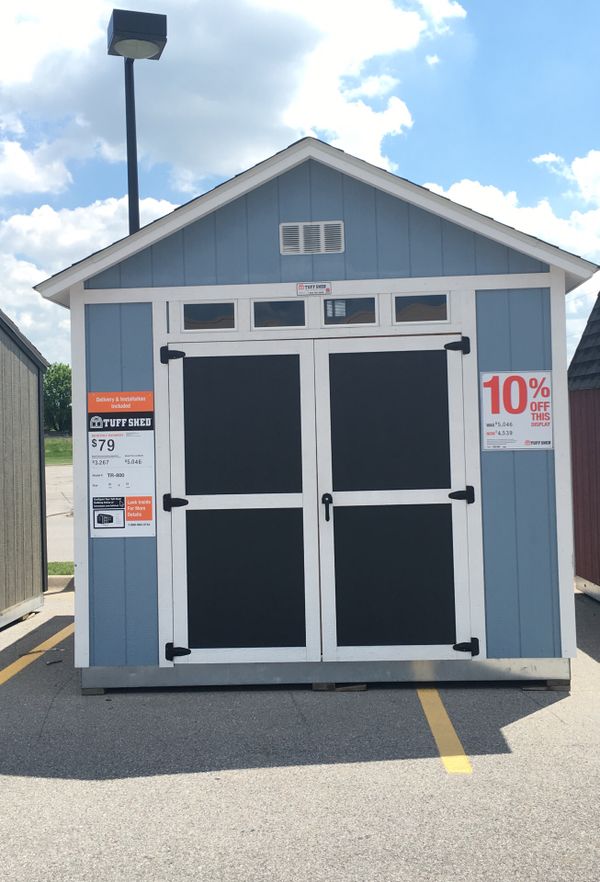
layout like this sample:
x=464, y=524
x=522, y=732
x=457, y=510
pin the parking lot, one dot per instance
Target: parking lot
x=291, y=784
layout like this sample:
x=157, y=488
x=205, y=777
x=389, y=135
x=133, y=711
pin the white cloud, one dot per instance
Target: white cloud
x=440, y=10
x=30, y=171
x=35, y=245
x=238, y=80
x=372, y=87
x=432, y=60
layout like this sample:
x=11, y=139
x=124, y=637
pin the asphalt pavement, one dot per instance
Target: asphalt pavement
x=59, y=512
x=291, y=785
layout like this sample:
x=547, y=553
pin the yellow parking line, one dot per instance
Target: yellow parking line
x=28, y=659
x=448, y=743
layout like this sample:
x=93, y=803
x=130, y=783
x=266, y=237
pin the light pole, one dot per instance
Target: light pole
x=134, y=35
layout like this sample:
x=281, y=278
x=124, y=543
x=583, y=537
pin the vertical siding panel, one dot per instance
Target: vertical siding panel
x=294, y=206
x=136, y=353
x=393, y=251
x=232, y=243
x=20, y=502
x=167, y=261
x=360, y=230
x=108, y=638
x=123, y=576
x=141, y=612
x=136, y=271
x=535, y=546
x=521, y=562
x=425, y=231
x=103, y=347
x=200, y=252
x=458, y=250
x=500, y=557
x=522, y=263
x=490, y=257
x=327, y=203
x=263, y=234
x=108, y=278
x=4, y=508
x=19, y=467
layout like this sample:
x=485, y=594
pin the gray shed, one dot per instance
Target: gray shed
x=23, y=557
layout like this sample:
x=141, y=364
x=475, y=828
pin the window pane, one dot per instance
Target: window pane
x=421, y=309
x=279, y=314
x=358, y=311
x=204, y=316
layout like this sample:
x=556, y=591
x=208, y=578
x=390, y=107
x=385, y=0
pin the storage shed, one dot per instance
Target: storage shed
x=584, y=399
x=23, y=559
x=321, y=434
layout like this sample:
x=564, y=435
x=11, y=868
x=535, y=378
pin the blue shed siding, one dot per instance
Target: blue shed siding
x=385, y=238
x=518, y=495
x=122, y=572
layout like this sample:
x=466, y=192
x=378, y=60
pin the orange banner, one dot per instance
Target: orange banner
x=119, y=402
x=138, y=508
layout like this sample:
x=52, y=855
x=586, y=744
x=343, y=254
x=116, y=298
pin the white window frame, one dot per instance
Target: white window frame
x=434, y=322
x=214, y=302
x=277, y=328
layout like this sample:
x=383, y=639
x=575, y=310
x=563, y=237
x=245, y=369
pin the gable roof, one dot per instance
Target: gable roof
x=584, y=370
x=57, y=287
x=25, y=345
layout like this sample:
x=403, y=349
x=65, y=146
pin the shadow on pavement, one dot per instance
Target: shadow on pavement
x=49, y=730
x=587, y=611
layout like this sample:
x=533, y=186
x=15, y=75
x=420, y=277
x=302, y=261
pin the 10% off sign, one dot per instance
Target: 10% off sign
x=516, y=410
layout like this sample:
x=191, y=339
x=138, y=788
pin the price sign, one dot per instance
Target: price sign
x=121, y=463
x=516, y=411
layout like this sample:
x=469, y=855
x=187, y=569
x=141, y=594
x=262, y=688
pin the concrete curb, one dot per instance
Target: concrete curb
x=60, y=583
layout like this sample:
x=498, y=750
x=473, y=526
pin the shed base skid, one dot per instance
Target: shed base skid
x=16, y=612
x=507, y=670
x=587, y=587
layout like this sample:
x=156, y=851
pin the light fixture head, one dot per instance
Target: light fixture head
x=137, y=34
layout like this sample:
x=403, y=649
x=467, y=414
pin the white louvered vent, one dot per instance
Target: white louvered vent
x=323, y=237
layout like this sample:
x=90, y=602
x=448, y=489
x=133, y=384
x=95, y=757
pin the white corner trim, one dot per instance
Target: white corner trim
x=54, y=287
x=562, y=467
x=162, y=440
x=470, y=377
x=80, y=484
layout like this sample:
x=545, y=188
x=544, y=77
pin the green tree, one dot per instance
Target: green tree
x=57, y=398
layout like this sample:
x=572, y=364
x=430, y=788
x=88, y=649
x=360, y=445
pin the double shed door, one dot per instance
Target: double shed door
x=318, y=523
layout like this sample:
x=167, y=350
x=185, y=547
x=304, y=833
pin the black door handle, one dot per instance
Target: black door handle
x=327, y=500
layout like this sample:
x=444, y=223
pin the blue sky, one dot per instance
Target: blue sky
x=492, y=102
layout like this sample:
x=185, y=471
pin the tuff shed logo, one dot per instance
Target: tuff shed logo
x=134, y=422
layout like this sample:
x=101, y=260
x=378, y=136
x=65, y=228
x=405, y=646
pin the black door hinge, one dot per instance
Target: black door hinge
x=468, y=493
x=172, y=652
x=463, y=345
x=171, y=502
x=166, y=354
x=472, y=646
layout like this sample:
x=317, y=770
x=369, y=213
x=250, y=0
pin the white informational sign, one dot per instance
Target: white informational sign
x=304, y=288
x=516, y=410
x=121, y=464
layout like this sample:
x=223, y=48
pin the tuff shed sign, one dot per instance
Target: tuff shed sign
x=121, y=463
x=516, y=411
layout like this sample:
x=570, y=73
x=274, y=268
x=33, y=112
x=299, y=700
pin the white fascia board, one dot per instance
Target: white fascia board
x=578, y=269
